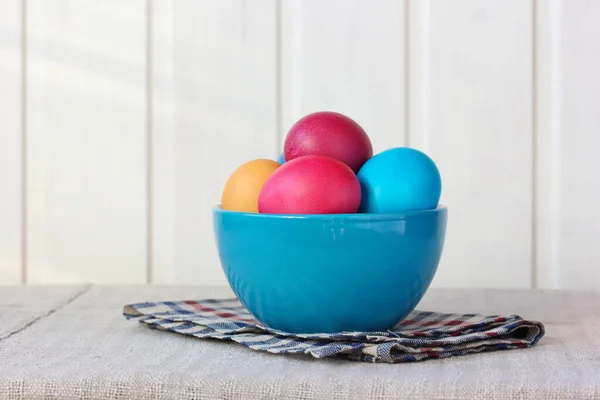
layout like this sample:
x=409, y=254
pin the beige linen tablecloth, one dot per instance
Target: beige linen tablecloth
x=73, y=342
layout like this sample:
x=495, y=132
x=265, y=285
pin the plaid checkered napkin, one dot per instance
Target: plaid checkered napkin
x=422, y=335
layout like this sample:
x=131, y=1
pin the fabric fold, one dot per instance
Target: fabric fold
x=420, y=336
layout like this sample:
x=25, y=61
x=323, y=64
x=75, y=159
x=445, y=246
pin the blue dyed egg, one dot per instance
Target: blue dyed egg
x=281, y=159
x=398, y=180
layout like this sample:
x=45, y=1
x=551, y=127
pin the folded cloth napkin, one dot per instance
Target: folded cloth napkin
x=422, y=335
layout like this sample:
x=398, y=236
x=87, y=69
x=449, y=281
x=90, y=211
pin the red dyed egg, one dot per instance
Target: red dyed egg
x=311, y=185
x=329, y=134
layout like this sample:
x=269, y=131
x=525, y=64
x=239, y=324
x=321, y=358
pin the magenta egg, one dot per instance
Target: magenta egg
x=329, y=134
x=311, y=185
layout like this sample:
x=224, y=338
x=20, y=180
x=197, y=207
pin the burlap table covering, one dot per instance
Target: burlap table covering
x=72, y=342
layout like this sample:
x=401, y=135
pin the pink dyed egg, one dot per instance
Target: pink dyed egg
x=329, y=134
x=311, y=185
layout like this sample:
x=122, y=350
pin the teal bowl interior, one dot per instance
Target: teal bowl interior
x=330, y=273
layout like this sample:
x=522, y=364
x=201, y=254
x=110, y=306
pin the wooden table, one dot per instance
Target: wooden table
x=73, y=342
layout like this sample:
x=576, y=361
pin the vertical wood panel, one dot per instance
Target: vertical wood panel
x=10, y=142
x=86, y=142
x=573, y=221
x=224, y=98
x=471, y=110
x=162, y=41
x=345, y=56
x=547, y=143
x=580, y=145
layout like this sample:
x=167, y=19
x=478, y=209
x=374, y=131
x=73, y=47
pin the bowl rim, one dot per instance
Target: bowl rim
x=348, y=216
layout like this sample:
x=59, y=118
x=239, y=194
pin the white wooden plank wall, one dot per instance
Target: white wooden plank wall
x=136, y=112
x=334, y=57
x=222, y=82
x=471, y=110
x=568, y=144
x=11, y=201
x=162, y=107
x=86, y=141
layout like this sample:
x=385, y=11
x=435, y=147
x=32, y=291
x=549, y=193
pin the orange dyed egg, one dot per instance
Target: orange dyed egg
x=243, y=186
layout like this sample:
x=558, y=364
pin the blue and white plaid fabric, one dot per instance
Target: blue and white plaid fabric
x=422, y=335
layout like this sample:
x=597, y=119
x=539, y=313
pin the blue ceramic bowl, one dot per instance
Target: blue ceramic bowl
x=330, y=273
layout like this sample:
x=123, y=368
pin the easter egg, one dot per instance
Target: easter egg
x=329, y=134
x=399, y=179
x=281, y=159
x=311, y=185
x=244, y=185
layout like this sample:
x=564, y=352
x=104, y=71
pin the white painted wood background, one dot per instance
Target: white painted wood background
x=120, y=122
